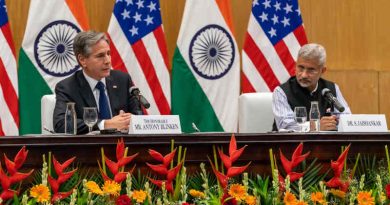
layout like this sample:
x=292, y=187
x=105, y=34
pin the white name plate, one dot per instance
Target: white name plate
x=155, y=124
x=362, y=123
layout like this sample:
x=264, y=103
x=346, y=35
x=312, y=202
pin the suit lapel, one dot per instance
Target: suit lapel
x=113, y=94
x=85, y=91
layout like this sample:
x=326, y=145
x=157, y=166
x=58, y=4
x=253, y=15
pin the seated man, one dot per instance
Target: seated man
x=304, y=87
x=95, y=85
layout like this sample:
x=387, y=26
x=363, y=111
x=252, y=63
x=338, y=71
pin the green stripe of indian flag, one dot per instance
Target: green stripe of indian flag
x=31, y=89
x=188, y=99
x=221, y=94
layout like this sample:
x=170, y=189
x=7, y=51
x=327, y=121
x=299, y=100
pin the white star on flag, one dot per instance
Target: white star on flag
x=286, y=21
x=128, y=2
x=125, y=14
x=277, y=6
x=140, y=4
x=152, y=7
x=275, y=19
x=267, y=4
x=134, y=31
x=288, y=8
x=137, y=17
x=272, y=32
x=149, y=20
x=298, y=11
x=264, y=17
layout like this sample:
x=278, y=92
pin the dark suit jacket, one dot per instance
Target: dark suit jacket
x=76, y=89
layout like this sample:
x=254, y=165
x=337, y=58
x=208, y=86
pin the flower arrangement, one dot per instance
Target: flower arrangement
x=293, y=180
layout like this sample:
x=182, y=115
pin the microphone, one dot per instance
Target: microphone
x=135, y=92
x=332, y=99
x=195, y=127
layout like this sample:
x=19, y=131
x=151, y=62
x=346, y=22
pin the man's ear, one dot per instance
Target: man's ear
x=323, y=70
x=82, y=60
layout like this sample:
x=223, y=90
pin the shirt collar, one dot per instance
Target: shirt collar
x=92, y=82
x=315, y=89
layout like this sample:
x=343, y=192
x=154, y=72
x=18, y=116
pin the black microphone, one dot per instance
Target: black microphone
x=135, y=92
x=332, y=99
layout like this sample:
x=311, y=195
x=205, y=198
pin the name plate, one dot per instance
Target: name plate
x=362, y=123
x=155, y=124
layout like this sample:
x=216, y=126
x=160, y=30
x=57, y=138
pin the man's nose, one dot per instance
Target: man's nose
x=304, y=73
x=107, y=59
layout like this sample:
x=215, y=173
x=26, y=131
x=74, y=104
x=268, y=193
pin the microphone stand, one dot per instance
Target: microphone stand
x=331, y=111
x=140, y=106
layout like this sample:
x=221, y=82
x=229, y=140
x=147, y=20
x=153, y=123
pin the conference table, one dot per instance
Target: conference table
x=325, y=146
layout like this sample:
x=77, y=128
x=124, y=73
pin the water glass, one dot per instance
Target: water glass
x=90, y=117
x=300, y=116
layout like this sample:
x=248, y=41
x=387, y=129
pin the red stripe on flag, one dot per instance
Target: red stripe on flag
x=8, y=36
x=300, y=35
x=285, y=56
x=261, y=64
x=116, y=60
x=9, y=93
x=246, y=85
x=151, y=77
x=1, y=129
x=162, y=45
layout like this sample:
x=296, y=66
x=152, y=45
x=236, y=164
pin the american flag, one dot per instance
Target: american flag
x=9, y=112
x=139, y=47
x=275, y=34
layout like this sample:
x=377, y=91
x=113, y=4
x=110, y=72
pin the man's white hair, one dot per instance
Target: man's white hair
x=313, y=51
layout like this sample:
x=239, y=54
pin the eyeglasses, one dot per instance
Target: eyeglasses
x=310, y=71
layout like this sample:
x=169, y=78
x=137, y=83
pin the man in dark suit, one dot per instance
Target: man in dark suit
x=96, y=85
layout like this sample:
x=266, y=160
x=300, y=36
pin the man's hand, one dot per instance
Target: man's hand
x=121, y=122
x=328, y=123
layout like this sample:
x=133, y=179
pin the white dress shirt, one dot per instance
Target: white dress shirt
x=96, y=93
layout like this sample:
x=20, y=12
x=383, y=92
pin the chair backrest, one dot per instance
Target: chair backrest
x=255, y=113
x=48, y=102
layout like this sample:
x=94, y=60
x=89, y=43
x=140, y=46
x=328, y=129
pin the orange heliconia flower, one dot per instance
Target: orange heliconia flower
x=62, y=177
x=163, y=169
x=12, y=176
x=365, y=198
x=117, y=167
x=228, y=161
x=337, y=167
x=288, y=165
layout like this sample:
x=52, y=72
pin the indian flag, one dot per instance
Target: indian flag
x=46, y=56
x=206, y=72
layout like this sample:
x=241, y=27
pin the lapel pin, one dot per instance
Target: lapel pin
x=114, y=86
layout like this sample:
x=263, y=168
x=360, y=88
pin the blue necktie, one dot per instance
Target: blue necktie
x=104, y=108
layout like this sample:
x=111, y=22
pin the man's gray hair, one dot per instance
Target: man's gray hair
x=314, y=52
x=84, y=40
